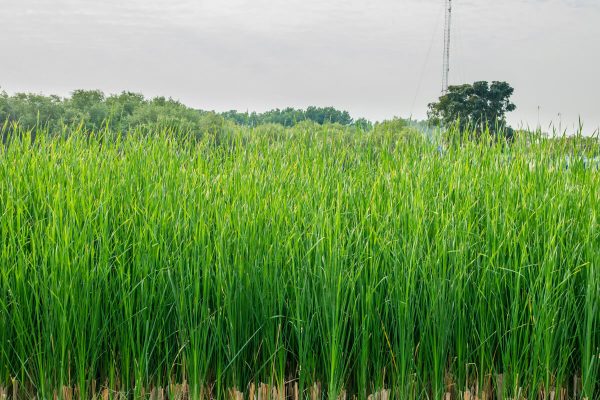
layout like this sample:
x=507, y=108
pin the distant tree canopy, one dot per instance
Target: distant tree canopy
x=291, y=116
x=474, y=106
x=94, y=111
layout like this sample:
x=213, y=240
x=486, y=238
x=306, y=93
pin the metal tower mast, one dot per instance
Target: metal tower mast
x=447, y=26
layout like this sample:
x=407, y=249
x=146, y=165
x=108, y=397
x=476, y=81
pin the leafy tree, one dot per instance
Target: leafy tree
x=87, y=107
x=242, y=118
x=474, y=106
x=363, y=124
x=31, y=110
x=322, y=115
x=83, y=100
x=126, y=103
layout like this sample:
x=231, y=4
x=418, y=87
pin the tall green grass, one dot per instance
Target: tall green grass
x=355, y=261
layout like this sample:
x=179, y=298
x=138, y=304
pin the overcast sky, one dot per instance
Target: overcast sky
x=375, y=58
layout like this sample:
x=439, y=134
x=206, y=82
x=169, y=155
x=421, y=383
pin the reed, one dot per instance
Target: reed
x=307, y=261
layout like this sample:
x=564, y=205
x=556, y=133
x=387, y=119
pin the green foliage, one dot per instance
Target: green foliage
x=363, y=124
x=95, y=112
x=394, y=125
x=291, y=116
x=31, y=110
x=127, y=110
x=478, y=107
x=308, y=254
x=398, y=131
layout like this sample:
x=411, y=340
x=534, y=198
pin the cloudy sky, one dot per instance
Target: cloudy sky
x=375, y=58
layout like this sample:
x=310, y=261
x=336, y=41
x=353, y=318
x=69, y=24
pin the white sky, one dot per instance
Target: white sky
x=376, y=58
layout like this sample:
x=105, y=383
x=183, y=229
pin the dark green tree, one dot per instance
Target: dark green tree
x=478, y=106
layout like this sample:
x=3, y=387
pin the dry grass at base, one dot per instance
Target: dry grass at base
x=289, y=391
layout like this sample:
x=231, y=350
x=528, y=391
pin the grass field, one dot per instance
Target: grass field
x=313, y=261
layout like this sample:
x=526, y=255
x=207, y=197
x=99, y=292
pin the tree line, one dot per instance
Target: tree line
x=94, y=110
x=475, y=108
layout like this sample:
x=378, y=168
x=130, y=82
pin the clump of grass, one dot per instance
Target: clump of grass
x=298, y=258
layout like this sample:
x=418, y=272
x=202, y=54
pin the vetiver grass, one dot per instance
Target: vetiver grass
x=356, y=263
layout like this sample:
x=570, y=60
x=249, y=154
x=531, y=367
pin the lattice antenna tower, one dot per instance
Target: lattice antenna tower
x=447, y=27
